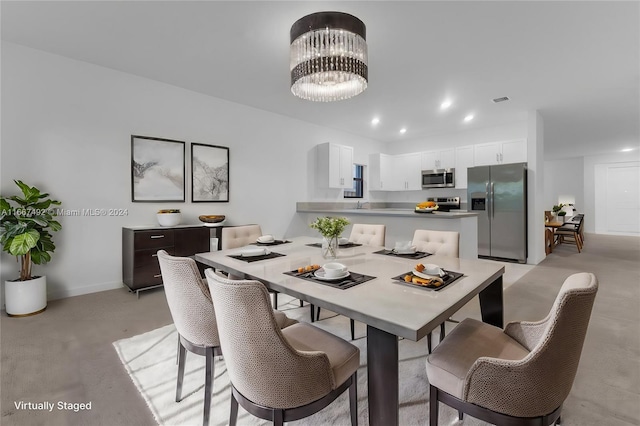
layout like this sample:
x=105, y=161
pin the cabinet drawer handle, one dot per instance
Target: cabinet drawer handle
x=154, y=255
x=157, y=236
x=157, y=276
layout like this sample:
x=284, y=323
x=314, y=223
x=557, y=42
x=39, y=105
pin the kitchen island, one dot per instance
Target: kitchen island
x=401, y=222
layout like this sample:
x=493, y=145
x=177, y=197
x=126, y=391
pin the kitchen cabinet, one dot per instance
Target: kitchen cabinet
x=464, y=160
x=440, y=159
x=335, y=166
x=381, y=176
x=407, y=172
x=488, y=154
x=140, y=267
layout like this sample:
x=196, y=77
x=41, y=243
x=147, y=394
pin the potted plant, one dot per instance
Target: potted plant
x=561, y=215
x=556, y=209
x=26, y=223
x=331, y=228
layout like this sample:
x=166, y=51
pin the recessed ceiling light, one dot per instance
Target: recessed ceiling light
x=627, y=149
x=446, y=104
x=375, y=121
x=403, y=130
x=468, y=117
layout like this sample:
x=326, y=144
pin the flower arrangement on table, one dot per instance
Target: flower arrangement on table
x=331, y=228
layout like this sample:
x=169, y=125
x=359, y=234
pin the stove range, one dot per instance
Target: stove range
x=446, y=204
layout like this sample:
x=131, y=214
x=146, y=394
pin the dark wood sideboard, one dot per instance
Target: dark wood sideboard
x=140, y=268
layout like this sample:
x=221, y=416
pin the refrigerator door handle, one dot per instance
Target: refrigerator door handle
x=486, y=196
x=493, y=210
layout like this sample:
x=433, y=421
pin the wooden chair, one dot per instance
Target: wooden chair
x=278, y=375
x=571, y=233
x=519, y=376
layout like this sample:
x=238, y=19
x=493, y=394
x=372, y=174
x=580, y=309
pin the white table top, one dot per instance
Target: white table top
x=382, y=303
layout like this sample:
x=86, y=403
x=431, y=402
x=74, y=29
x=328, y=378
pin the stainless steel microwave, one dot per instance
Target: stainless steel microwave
x=439, y=178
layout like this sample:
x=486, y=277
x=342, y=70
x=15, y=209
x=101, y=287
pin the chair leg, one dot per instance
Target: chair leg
x=353, y=327
x=233, y=416
x=318, y=314
x=353, y=400
x=182, y=357
x=559, y=421
x=429, y=342
x=278, y=417
x=275, y=300
x=178, y=351
x=460, y=415
x=312, y=309
x=433, y=406
x=208, y=384
x=442, y=331
x=301, y=303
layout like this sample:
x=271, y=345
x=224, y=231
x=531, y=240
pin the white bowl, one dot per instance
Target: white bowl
x=431, y=269
x=403, y=245
x=169, y=219
x=342, y=241
x=334, y=269
x=266, y=238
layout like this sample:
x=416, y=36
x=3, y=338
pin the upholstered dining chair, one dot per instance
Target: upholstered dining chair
x=519, y=376
x=192, y=311
x=442, y=243
x=369, y=234
x=240, y=236
x=278, y=375
x=361, y=233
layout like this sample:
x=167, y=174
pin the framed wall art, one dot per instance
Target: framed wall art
x=209, y=173
x=157, y=169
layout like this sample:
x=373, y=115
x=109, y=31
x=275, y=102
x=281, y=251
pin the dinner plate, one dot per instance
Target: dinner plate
x=412, y=251
x=254, y=252
x=425, y=276
x=319, y=274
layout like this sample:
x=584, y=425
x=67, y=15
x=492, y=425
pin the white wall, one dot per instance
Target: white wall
x=564, y=183
x=66, y=129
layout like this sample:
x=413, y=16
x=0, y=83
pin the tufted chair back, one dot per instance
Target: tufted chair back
x=262, y=365
x=443, y=243
x=372, y=235
x=239, y=236
x=189, y=300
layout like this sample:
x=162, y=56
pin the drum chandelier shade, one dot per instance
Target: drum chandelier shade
x=328, y=57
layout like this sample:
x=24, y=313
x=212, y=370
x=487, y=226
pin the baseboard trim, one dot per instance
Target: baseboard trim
x=79, y=291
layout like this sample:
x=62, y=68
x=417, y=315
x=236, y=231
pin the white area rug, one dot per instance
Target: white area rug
x=150, y=360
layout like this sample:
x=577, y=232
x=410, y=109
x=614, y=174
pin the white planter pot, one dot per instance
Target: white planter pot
x=23, y=298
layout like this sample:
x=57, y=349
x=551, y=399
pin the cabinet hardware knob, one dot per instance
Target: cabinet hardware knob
x=157, y=236
x=157, y=276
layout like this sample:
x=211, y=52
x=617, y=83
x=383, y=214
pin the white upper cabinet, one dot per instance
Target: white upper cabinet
x=441, y=159
x=335, y=166
x=407, y=170
x=381, y=172
x=464, y=160
x=488, y=154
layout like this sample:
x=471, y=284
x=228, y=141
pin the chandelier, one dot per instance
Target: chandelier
x=328, y=57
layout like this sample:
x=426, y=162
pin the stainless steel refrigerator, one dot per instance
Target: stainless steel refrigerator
x=499, y=195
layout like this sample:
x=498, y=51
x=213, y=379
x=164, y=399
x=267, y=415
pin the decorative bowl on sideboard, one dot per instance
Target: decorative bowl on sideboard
x=212, y=219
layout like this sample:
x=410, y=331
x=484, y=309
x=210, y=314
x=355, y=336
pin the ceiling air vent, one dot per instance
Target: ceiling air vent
x=502, y=99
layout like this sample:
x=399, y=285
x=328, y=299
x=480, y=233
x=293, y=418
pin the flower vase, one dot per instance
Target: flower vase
x=330, y=247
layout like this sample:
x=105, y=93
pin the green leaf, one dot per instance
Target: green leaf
x=55, y=225
x=23, y=243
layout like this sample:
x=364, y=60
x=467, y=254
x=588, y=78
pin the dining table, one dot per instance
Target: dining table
x=390, y=307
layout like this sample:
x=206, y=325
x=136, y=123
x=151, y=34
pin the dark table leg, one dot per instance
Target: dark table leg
x=382, y=367
x=491, y=304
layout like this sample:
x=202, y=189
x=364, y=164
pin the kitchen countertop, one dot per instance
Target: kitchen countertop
x=398, y=212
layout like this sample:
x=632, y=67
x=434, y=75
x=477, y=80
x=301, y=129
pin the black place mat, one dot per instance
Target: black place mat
x=416, y=255
x=348, y=245
x=351, y=281
x=448, y=279
x=250, y=259
x=272, y=243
